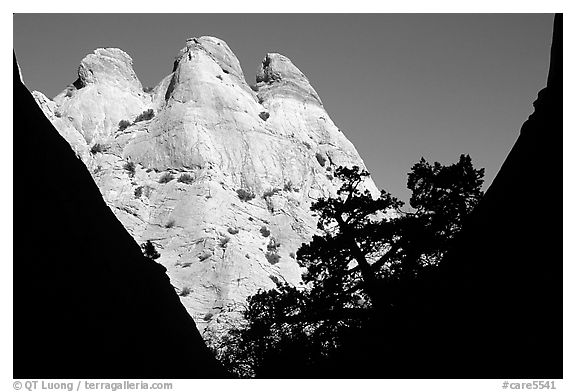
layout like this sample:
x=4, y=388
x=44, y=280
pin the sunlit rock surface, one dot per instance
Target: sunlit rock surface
x=212, y=139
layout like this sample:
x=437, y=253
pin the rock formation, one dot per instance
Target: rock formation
x=217, y=174
x=87, y=304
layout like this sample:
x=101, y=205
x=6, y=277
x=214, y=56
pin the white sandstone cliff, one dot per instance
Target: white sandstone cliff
x=277, y=142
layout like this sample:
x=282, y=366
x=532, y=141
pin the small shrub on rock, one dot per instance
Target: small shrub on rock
x=224, y=241
x=97, y=147
x=170, y=224
x=270, y=193
x=264, y=231
x=264, y=115
x=245, y=195
x=149, y=250
x=233, y=230
x=165, y=178
x=138, y=192
x=272, y=257
x=208, y=317
x=130, y=167
x=186, y=179
x=145, y=116
x=185, y=291
x=123, y=124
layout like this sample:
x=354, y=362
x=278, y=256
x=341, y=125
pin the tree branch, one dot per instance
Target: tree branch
x=381, y=261
x=366, y=271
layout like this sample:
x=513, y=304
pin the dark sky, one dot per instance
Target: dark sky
x=400, y=86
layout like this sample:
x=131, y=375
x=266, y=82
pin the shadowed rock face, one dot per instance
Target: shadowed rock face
x=277, y=143
x=87, y=304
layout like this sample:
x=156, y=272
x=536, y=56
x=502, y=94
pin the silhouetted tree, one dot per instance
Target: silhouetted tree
x=149, y=250
x=367, y=249
x=442, y=196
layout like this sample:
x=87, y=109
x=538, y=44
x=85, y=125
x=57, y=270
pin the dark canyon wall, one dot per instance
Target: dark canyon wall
x=87, y=304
